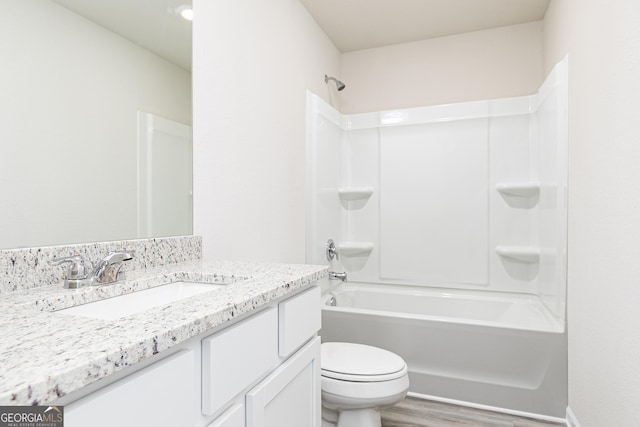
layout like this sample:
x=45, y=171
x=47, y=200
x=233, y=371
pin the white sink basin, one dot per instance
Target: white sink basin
x=136, y=302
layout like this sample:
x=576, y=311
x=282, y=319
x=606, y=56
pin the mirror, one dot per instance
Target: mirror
x=95, y=142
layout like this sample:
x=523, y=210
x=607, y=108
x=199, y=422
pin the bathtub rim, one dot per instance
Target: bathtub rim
x=555, y=326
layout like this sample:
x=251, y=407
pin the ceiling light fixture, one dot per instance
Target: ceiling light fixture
x=186, y=12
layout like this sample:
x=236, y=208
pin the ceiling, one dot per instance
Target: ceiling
x=363, y=24
x=351, y=24
x=153, y=24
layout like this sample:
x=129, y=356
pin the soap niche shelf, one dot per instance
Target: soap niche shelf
x=352, y=249
x=352, y=194
x=520, y=195
x=519, y=189
x=349, y=194
x=524, y=254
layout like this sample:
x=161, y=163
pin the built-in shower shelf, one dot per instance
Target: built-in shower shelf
x=350, y=249
x=349, y=194
x=525, y=254
x=519, y=189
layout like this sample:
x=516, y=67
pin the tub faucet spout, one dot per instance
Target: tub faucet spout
x=337, y=276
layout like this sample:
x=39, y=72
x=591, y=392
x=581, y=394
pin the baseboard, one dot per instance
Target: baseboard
x=572, y=421
x=490, y=408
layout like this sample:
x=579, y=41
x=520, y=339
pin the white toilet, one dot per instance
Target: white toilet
x=356, y=381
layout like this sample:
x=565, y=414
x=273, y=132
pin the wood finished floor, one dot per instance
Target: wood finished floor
x=412, y=412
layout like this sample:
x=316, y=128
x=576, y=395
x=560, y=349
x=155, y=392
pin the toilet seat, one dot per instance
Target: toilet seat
x=360, y=363
x=363, y=378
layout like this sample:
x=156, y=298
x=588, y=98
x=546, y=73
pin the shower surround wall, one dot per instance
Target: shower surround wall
x=466, y=196
x=450, y=221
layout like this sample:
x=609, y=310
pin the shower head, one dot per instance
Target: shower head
x=339, y=84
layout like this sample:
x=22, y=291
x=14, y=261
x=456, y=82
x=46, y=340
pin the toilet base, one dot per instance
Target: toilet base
x=359, y=418
x=361, y=406
x=367, y=417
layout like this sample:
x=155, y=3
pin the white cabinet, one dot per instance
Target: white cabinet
x=160, y=395
x=290, y=396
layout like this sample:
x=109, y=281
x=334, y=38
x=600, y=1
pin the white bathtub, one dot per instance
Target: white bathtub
x=490, y=349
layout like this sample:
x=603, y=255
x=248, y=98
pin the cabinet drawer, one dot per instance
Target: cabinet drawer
x=299, y=320
x=236, y=357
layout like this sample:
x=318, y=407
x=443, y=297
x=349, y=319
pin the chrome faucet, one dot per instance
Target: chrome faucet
x=332, y=252
x=338, y=276
x=76, y=273
x=106, y=271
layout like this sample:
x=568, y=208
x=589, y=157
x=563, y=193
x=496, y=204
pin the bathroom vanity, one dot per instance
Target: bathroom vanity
x=260, y=371
x=245, y=353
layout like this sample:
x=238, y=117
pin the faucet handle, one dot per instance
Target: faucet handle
x=77, y=266
x=332, y=250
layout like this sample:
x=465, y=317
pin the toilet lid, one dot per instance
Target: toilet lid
x=358, y=362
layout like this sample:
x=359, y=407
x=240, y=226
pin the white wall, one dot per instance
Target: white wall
x=497, y=63
x=253, y=62
x=70, y=91
x=603, y=41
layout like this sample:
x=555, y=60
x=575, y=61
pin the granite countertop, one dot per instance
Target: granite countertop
x=45, y=355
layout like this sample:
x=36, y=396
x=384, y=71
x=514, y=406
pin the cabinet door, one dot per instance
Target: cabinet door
x=290, y=396
x=160, y=395
x=237, y=357
x=232, y=417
